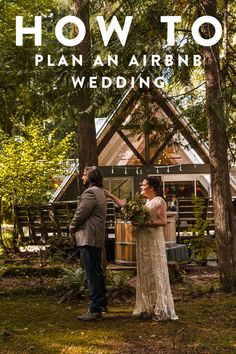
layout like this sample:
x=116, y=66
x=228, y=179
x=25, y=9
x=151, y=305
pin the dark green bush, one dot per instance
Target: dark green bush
x=61, y=249
x=118, y=283
x=74, y=284
x=202, y=244
x=12, y=271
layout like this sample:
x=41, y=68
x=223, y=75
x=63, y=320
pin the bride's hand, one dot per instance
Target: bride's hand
x=107, y=193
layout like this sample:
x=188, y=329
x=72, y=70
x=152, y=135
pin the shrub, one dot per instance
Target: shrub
x=12, y=271
x=202, y=244
x=74, y=282
x=61, y=249
x=118, y=282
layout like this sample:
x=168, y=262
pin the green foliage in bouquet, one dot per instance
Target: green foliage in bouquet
x=135, y=212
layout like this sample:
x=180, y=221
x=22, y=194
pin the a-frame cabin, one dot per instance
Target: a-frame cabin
x=125, y=158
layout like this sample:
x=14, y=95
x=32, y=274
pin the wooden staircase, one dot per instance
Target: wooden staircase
x=186, y=218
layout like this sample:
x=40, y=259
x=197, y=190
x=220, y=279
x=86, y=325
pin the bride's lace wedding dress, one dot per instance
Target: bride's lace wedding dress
x=153, y=293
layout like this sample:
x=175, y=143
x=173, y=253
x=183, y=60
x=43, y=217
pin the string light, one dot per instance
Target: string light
x=159, y=169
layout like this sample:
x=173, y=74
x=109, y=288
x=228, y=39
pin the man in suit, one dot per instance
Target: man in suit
x=88, y=229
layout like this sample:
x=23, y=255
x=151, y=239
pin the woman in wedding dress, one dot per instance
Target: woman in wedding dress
x=153, y=293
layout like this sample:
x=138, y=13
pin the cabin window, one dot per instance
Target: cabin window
x=122, y=187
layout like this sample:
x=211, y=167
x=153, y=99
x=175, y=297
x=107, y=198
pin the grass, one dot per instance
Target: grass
x=39, y=324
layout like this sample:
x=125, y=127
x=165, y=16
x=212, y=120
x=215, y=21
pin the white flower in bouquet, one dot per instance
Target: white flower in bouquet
x=135, y=212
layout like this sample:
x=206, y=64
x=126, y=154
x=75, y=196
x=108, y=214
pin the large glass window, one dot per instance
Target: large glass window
x=122, y=187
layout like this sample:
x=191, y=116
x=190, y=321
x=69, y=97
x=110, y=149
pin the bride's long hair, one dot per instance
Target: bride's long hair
x=155, y=183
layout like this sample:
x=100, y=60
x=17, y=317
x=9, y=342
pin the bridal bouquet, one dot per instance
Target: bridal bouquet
x=134, y=212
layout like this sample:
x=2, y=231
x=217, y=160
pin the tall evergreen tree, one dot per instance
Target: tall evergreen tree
x=225, y=218
x=86, y=123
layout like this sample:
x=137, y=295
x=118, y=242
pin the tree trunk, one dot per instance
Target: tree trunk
x=86, y=122
x=87, y=142
x=225, y=219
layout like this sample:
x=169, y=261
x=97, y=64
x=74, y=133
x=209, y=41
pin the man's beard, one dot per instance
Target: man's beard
x=86, y=184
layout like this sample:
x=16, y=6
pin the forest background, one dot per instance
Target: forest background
x=39, y=107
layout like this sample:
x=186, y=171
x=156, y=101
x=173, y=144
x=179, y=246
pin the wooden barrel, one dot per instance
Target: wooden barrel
x=125, y=245
x=170, y=229
x=125, y=241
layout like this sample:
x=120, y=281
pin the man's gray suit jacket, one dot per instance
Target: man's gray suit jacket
x=88, y=223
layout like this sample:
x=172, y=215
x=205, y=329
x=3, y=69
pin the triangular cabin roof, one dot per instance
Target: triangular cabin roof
x=116, y=149
x=127, y=106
